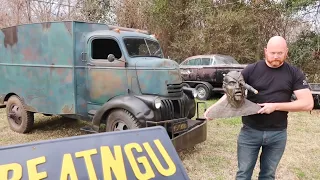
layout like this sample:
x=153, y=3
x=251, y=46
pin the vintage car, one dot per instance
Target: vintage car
x=205, y=72
x=315, y=90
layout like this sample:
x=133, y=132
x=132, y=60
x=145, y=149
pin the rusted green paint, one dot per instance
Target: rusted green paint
x=42, y=63
x=80, y=31
x=101, y=88
x=49, y=66
x=37, y=65
x=153, y=72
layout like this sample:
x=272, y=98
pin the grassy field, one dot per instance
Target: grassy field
x=216, y=158
x=213, y=159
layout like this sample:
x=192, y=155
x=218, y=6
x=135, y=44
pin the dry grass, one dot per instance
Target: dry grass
x=45, y=128
x=213, y=159
x=216, y=158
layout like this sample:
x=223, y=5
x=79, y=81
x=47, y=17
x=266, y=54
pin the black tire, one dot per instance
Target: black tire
x=121, y=119
x=20, y=120
x=203, y=91
x=317, y=102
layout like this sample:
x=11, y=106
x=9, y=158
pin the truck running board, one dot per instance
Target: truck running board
x=88, y=129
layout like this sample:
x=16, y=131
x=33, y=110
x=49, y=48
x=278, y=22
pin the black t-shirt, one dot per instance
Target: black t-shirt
x=274, y=85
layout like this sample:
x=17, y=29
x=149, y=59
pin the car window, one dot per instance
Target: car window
x=198, y=62
x=206, y=61
x=194, y=62
x=191, y=62
x=214, y=62
x=184, y=63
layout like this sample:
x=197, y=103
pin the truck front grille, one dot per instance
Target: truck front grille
x=172, y=109
x=174, y=89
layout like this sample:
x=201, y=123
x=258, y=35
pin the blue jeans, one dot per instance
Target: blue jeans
x=250, y=141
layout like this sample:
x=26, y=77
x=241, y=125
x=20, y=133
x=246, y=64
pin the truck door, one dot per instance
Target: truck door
x=106, y=77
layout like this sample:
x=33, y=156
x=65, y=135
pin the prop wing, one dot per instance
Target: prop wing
x=222, y=109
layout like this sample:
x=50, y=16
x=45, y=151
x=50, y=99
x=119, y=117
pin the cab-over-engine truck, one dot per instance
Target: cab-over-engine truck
x=105, y=74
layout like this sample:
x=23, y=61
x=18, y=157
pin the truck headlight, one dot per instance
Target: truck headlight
x=157, y=103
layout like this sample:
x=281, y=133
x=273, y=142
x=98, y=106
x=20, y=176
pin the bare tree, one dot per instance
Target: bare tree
x=14, y=12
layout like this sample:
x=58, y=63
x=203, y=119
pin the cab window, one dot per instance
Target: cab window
x=101, y=48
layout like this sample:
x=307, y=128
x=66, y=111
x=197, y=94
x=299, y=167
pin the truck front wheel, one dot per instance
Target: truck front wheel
x=120, y=119
x=20, y=120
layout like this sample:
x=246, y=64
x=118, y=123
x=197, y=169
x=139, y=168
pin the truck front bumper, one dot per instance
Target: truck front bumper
x=196, y=133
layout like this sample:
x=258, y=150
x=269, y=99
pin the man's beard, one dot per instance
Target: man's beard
x=275, y=63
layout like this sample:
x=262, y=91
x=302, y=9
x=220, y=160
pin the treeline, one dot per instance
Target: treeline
x=239, y=28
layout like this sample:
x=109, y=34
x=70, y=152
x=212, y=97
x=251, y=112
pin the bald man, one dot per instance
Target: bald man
x=276, y=80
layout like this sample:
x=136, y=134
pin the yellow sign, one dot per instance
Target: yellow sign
x=134, y=154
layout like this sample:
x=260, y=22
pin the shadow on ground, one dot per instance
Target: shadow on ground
x=52, y=123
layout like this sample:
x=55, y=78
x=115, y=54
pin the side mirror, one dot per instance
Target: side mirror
x=111, y=57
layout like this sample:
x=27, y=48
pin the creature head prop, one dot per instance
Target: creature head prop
x=234, y=89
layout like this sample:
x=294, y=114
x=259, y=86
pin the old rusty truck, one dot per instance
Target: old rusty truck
x=113, y=77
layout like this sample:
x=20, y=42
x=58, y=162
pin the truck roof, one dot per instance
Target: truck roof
x=46, y=22
x=121, y=34
x=117, y=31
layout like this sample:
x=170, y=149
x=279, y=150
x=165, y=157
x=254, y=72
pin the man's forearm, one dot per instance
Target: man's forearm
x=298, y=105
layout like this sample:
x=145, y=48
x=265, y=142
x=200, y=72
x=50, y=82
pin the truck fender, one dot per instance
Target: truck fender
x=137, y=107
x=5, y=97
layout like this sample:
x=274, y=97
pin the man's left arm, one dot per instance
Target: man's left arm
x=303, y=94
x=304, y=102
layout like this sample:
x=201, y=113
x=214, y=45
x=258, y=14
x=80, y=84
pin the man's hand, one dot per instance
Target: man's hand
x=304, y=102
x=267, y=108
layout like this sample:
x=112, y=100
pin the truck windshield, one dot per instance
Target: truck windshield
x=140, y=47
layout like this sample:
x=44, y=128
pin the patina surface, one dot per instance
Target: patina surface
x=37, y=64
x=223, y=109
x=64, y=68
x=232, y=85
x=49, y=66
x=233, y=103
